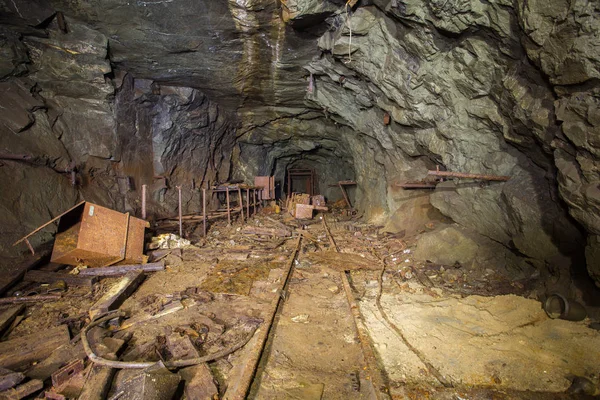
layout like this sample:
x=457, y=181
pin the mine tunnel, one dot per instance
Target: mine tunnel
x=299, y=199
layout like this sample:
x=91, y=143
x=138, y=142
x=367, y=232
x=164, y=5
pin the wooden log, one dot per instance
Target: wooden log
x=8, y=316
x=19, y=352
x=117, y=270
x=23, y=390
x=9, y=379
x=30, y=299
x=199, y=382
x=117, y=294
x=51, y=277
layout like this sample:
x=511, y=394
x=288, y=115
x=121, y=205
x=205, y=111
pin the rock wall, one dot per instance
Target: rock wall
x=64, y=109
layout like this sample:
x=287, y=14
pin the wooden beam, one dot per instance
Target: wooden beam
x=117, y=294
x=23, y=390
x=22, y=351
x=117, y=270
x=52, y=277
x=8, y=316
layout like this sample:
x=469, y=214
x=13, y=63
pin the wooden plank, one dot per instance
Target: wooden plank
x=23, y=390
x=58, y=359
x=24, y=350
x=8, y=316
x=30, y=299
x=171, y=308
x=51, y=277
x=11, y=275
x=199, y=383
x=9, y=379
x=117, y=294
x=99, y=379
x=122, y=269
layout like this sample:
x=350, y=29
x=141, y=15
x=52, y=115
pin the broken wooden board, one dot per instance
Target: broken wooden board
x=199, y=382
x=8, y=315
x=51, y=277
x=11, y=275
x=117, y=294
x=170, y=308
x=24, y=350
x=58, y=359
x=23, y=390
x=255, y=230
x=9, y=379
x=122, y=269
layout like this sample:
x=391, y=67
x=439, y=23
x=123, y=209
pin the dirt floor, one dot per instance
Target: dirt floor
x=428, y=331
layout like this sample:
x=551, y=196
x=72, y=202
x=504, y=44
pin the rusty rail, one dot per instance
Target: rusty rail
x=464, y=175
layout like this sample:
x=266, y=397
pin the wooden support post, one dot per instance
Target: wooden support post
x=204, y=211
x=228, y=206
x=144, y=190
x=254, y=200
x=241, y=203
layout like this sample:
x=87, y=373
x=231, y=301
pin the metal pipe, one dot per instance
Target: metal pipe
x=469, y=176
x=247, y=203
x=228, y=207
x=241, y=203
x=180, y=213
x=204, y=210
x=144, y=189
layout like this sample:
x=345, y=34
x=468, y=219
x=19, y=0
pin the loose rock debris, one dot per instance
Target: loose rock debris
x=199, y=324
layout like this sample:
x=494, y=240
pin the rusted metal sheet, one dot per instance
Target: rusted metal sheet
x=267, y=183
x=304, y=211
x=134, y=251
x=98, y=236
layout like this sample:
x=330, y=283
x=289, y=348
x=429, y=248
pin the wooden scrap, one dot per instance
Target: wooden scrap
x=304, y=211
x=117, y=270
x=117, y=294
x=51, y=277
x=24, y=350
x=255, y=230
x=99, y=379
x=12, y=326
x=9, y=379
x=59, y=358
x=181, y=347
x=23, y=390
x=170, y=308
x=199, y=382
x=8, y=315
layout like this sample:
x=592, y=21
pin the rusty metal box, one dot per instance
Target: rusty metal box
x=97, y=236
x=268, y=186
x=304, y=211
